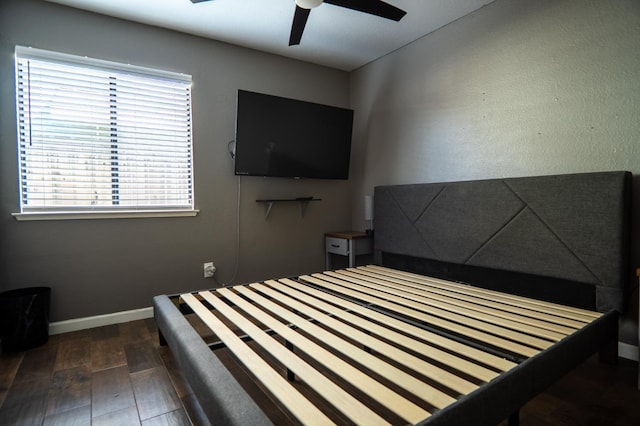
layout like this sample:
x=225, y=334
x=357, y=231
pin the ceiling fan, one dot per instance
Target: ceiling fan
x=372, y=7
x=303, y=9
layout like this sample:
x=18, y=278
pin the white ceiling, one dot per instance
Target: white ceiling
x=334, y=36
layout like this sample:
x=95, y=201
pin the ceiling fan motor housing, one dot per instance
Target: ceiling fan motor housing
x=308, y=4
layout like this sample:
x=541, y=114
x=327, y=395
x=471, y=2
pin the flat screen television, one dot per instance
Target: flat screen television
x=281, y=137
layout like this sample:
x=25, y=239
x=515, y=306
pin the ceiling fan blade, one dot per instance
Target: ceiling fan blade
x=299, y=21
x=199, y=1
x=372, y=7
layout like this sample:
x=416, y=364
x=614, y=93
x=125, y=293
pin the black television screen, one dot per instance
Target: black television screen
x=283, y=137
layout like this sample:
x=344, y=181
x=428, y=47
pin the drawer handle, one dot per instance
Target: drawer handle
x=335, y=245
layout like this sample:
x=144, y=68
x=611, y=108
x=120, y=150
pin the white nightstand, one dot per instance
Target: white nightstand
x=347, y=243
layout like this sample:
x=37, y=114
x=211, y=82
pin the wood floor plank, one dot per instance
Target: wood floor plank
x=142, y=355
x=154, y=393
x=80, y=416
x=135, y=331
x=33, y=378
x=37, y=364
x=152, y=327
x=73, y=353
x=592, y=394
x=128, y=416
x=177, y=379
x=111, y=391
x=106, y=332
x=22, y=392
x=73, y=335
x=70, y=389
x=174, y=418
x=9, y=364
x=30, y=412
x=107, y=353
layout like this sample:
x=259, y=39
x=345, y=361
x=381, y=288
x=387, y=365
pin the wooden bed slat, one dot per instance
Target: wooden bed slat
x=396, y=403
x=483, y=357
x=557, y=324
x=295, y=402
x=469, y=332
x=458, y=363
x=471, y=310
x=405, y=380
x=343, y=401
x=571, y=312
x=332, y=330
x=459, y=316
x=339, y=398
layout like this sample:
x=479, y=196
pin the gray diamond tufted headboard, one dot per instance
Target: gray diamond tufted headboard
x=563, y=238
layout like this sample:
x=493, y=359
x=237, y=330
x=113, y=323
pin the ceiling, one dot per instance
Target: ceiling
x=334, y=36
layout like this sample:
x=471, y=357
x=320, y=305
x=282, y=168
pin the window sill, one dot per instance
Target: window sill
x=127, y=214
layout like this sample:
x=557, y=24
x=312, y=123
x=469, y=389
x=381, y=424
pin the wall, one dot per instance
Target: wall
x=102, y=266
x=516, y=88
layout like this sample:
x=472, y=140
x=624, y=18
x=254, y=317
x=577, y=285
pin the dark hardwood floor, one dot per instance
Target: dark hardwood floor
x=119, y=375
x=593, y=394
x=112, y=375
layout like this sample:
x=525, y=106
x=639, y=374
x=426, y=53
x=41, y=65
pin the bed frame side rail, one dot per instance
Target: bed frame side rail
x=503, y=397
x=220, y=396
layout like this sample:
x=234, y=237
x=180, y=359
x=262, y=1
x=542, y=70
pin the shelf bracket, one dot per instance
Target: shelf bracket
x=267, y=208
x=303, y=201
x=303, y=207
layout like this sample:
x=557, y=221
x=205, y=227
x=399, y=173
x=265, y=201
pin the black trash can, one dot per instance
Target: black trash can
x=24, y=318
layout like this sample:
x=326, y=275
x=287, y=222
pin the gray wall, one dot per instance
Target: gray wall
x=103, y=266
x=516, y=88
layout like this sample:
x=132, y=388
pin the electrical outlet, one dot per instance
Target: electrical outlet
x=209, y=269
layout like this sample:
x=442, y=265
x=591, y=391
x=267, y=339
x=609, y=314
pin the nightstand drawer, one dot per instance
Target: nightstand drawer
x=336, y=245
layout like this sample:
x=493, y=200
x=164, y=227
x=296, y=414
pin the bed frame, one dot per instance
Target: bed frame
x=547, y=258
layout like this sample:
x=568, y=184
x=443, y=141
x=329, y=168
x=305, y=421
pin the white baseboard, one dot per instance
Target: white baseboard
x=628, y=351
x=99, y=320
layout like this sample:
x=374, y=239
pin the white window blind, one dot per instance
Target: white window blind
x=97, y=136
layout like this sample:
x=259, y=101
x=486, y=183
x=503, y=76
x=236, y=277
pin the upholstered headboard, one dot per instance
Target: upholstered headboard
x=563, y=238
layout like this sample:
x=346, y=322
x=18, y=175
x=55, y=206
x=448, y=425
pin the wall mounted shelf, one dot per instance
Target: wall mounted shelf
x=304, y=202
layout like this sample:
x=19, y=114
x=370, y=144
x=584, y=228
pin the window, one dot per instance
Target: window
x=99, y=137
